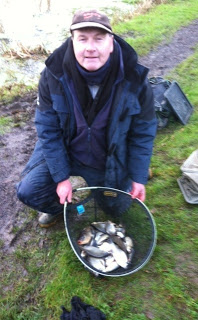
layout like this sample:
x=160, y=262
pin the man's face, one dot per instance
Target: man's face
x=92, y=47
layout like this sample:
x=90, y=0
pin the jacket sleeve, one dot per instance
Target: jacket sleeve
x=141, y=136
x=49, y=131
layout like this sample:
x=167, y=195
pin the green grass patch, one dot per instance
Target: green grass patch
x=131, y=1
x=158, y=25
x=13, y=91
x=6, y=124
x=22, y=281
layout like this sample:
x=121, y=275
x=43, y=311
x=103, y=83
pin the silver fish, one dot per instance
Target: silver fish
x=100, y=226
x=97, y=263
x=93, y=242
x=94, y=251
x=85, y=236
x=106, y=246
x=120, y=228
x=101, y=238
x=128, y=244
x=98, y=234
x=117, y=240
x=130, y=255
x=119, y=256
x=83, y=254
x=120, y=234
x=110, y=228
x=110, y=263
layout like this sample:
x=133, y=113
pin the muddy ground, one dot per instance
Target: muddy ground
x=17, y=145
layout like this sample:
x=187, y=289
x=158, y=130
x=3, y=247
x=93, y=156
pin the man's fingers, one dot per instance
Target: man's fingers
x=138, y=191
x=69, y=197
x=62, y=199
x=64, y=191
x=140, y=196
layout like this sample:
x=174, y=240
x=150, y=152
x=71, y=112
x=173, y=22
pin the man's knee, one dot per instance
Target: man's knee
x=23, y=192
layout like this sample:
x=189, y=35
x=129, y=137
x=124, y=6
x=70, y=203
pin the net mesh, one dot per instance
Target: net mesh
x=103, y=204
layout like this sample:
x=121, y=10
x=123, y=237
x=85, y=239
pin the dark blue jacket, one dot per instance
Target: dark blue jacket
x=130, y=131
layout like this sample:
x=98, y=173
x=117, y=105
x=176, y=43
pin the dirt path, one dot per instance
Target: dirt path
x=168, y=56
x=17, y=145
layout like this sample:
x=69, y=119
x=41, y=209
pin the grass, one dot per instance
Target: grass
x=23, y=52
x=42, y=278
x=158, y=25
x=10, y=92
x=6, y=124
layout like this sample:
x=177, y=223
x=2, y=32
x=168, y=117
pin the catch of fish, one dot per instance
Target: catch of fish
x=105, y=246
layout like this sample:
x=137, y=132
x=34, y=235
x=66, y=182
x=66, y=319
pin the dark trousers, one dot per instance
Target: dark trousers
x=38, y=190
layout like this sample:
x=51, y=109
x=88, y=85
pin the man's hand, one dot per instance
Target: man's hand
x=64, y=191
x=138, y=191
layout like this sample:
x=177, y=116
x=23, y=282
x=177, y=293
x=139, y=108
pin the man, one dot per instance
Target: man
x=95, y=119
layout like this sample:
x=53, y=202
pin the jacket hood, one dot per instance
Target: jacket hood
x=55, y=61
x=130, y=59
x=129, y=54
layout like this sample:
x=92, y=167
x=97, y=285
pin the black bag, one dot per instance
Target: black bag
x=81, y=311
x=170, y=101
x=162, y=106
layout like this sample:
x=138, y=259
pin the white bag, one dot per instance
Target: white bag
x=188, y=182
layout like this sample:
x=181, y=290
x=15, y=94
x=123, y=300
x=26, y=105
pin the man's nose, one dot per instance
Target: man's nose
x=90, y=45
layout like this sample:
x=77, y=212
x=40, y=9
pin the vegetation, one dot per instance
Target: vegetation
x=158, y=25
x=5, y=124
x=45, y=273
x=10, y=92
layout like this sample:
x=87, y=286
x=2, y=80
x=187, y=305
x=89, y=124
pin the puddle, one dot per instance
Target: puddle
x=14, y=71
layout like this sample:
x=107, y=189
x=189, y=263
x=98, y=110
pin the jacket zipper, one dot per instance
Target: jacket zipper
x=89, y=139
